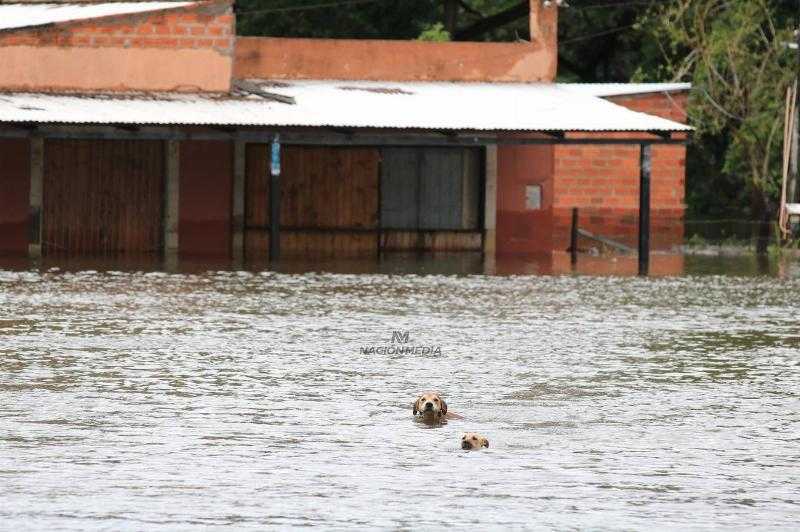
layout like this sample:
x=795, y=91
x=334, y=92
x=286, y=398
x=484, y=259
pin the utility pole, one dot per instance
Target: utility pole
x=794, y=171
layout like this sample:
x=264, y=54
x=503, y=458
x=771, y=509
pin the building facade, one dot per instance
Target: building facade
x=147, y=127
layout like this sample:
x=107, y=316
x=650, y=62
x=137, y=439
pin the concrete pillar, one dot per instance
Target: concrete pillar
x=171, y=196
x=544, y=32
x=238, y=202
x=36, y=197
x=490, y=203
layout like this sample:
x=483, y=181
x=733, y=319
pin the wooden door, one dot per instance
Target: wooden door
x=102, y=196
x=329, y=201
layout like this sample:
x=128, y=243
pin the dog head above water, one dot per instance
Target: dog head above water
x=472, y=440
x=430, y=405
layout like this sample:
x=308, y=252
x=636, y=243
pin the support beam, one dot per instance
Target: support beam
x=490, y=203
x=171, y=203
x=646, y=164
x=238, y=201
x=36, y=197
x=313, y=137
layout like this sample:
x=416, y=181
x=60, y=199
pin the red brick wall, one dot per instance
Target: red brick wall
x=210, y=26
x=205, y=198
x=15, y=182
x=601, y=180
x=183, y=49
x=671, y=105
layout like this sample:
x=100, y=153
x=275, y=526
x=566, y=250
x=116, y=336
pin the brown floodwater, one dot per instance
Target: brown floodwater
x=141, y=396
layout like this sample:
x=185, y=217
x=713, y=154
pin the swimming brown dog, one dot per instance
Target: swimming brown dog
x=473, y=441
x=432, y=408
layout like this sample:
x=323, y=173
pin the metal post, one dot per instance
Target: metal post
x=573, y=240
x=645, y=163
x=275, y=202
x=274, y=217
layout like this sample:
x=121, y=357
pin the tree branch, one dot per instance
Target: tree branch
x=497, y=20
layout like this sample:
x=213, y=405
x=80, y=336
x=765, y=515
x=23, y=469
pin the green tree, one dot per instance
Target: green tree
x=435, y=32
x=735, y=55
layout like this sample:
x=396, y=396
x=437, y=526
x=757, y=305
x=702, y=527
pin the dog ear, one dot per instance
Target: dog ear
x=416, y=405
x=444, y=406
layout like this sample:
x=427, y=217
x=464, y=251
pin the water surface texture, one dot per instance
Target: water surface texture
x=157, y=401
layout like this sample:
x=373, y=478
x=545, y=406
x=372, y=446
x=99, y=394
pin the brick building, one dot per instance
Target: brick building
x=146, y=127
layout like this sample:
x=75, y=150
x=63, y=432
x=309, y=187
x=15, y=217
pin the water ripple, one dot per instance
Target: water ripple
x=194, y=401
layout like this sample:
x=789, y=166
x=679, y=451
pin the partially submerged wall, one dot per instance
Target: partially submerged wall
x=602, y=181
x=521, y=230
x=205, y=198
x=15, y=183
x=177, y=49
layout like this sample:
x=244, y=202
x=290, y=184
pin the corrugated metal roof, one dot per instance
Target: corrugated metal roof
x=348, y=104
x=624, y=89
x=14, y=16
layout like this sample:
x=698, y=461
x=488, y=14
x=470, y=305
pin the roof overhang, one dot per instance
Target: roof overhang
x=610, y=90
x=457, y=110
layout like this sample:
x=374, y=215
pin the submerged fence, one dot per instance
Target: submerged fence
x=742, y=233
x=598, y=231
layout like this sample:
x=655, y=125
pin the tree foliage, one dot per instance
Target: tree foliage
x=602, y=42
x=736, y=57
x=435, y=32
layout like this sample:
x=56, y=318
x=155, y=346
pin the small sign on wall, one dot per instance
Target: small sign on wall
x=275, y=156
x=533, y=197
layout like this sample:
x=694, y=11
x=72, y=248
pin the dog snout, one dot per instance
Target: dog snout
x=428, y=406
x=466, y=445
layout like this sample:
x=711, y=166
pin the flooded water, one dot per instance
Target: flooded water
x=144, y=400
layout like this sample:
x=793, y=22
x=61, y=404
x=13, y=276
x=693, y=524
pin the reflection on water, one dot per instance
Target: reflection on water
x=138, y=399
x=460, y=263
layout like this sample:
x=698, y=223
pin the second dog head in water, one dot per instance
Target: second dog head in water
x=431, y=407
x=473, y=441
